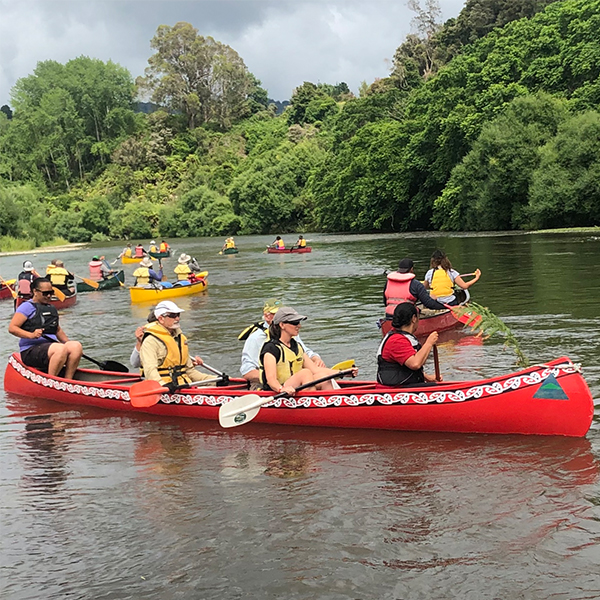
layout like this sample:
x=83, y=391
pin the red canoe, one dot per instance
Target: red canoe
x=289, y=250
x=5, y=292
x=58, y=304
x=550, y=399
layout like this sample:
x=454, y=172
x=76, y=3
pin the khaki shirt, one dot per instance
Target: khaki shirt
x=152, y=354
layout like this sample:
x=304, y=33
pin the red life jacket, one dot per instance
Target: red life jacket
x=24, y=285
x=139, y=252
x=95, y=269
x=397, y=291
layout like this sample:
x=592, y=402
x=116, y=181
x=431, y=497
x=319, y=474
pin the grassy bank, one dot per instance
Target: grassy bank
x=11, y=244
x=595, y=230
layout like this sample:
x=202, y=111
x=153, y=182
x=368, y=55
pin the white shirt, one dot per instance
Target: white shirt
x=452, y=274
x=252, y=346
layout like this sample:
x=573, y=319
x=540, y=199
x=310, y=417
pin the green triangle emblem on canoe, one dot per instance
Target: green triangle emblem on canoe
x=550, y=390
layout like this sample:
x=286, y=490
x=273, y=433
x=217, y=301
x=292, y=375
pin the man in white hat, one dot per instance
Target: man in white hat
x=145, y=273
x=164, y=351
x=26, y=276
x=182, y=270
x=153, y=247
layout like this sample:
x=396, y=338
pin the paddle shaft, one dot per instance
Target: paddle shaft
x=163, y=390
x=102, y=365
x=12, y=292
x=436, y=362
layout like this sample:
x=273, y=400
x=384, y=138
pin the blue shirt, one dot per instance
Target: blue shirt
x=28, y=309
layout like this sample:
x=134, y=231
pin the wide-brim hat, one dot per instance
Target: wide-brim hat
x=146, y=262
x=184, y=259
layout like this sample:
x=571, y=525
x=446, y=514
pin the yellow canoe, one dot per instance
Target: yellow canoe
x=141, y=295
x=133, y=260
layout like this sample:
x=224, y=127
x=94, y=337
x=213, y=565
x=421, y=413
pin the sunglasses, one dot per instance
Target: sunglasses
x=295, y=323
x=47, y=293
x=172, y=315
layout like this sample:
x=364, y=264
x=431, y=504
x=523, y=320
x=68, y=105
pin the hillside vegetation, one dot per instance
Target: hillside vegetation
x=489, y=122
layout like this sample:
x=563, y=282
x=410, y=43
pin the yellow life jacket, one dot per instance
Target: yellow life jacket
x=142, y=276
x=280, y=244
x=441, y=283
x=182, y=272
x=58, y=276
x=177, y=353
x=229, y=244
x=50, y=268
x=289, y=362
x=153, y=249
x=164, y=247
x=302, y=243
x=127, y=253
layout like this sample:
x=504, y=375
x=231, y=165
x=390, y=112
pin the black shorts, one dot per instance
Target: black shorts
x=37, y=356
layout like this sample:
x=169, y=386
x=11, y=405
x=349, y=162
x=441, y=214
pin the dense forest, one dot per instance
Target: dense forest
x=490, y=121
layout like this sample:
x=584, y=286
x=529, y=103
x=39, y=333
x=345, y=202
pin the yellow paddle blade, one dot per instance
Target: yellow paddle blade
x=58, y=294
x=345, y=364
x=90, y=282
x=8, y=284
x=202, y=274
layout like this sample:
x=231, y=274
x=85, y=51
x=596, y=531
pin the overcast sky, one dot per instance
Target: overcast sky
x=282, y=42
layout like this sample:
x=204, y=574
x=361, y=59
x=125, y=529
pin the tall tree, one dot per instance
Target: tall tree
x=204, y=79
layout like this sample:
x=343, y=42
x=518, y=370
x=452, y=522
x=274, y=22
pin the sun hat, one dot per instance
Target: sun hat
x=272, y=305
x=287, y=314
x=28, y=265
x=405, y=265
x=146, y=262
x=153, y=242
x=184, y=259
x=165, y=307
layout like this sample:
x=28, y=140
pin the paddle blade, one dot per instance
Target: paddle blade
x=113, y=365
x=145, y=393
x=90, y=282
x=345, y=364
x=59, y=294
x=241, y=410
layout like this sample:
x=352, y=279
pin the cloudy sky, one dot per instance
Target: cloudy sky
x=282, y=42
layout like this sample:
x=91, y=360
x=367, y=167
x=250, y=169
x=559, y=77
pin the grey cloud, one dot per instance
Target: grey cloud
x=282, y=42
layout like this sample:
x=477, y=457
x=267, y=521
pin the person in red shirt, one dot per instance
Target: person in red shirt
x=400, y=357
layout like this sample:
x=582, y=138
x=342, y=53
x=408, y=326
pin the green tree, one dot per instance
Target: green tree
x=204, y=79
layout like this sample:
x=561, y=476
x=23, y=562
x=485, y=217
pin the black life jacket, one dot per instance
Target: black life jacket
x=45, y=317
x=394, y=374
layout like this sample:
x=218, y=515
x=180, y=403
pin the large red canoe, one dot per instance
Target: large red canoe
x=549, y=399
x=289, y=250
x=58, y=304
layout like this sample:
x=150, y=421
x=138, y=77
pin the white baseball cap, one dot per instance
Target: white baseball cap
x=165, y=307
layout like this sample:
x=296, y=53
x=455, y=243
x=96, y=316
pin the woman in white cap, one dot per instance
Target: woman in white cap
x=182, y=270
x=153, y=247
x=145, y=274
x=164, y=350
x=284, y=365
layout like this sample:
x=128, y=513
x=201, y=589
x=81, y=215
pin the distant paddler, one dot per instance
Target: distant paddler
x=59, y=277
x=145, y=274
x=125, y=253
x=183, y=270
x=301, y=243
x=139, y=251
x=228, y=245
x=164, y=247
x=278, y=243
x=24, y=279
x=153, y=247
x=99, y=269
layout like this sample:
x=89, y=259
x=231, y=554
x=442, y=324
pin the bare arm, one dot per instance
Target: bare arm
x=15, y=328
x=416, y=361
x=465, y=285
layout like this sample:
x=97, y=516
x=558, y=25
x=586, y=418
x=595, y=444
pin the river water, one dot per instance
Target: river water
x=100, y=505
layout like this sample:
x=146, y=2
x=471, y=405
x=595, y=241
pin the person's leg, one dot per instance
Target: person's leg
x=306, y=376
x=74, y=352
x=57, y=357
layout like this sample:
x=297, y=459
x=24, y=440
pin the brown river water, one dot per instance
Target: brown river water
x=101, y=505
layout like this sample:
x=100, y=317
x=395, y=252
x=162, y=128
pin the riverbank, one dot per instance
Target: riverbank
x=568, y=230
x=44, y=249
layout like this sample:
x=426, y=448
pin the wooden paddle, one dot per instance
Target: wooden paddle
x=89, y=282
x=436, y=362
x=107, y=365
x=60, y=295
x=147, y=393
x=121, y=284
x=12, y=291
x=245, y=408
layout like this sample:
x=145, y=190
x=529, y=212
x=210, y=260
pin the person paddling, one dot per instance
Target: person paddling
x=301, y=243
x=60, y=278
x=403, y=286
x=441, y=279
x=145, y=274
x=24, y=279
x=183, y=270
x=278, y=243
x=42, y=342
x=99, y=269
x=256, y=335
x=400, y=357
x=164, y=350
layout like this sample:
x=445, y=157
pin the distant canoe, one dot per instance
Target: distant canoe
x=159, y=255
x=130, y=260
x=113, y=281
x=289, y=250
x=58, y=304
x=5, y=290
x=147, y=295
x=229, y=251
